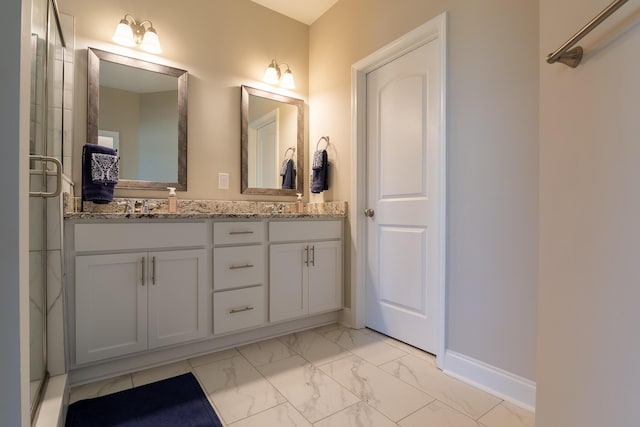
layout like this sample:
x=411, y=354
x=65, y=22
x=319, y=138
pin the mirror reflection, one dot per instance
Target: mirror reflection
x=272, y=143
x=139, y=108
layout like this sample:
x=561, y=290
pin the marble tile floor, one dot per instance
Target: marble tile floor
x=329, y=377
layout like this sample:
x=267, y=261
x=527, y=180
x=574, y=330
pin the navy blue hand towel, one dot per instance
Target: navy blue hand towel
x=100, y=193
x=320, y=178
x=289, y=176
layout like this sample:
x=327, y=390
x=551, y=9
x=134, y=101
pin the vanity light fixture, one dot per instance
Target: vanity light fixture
x=130, y=32
x=274, y=74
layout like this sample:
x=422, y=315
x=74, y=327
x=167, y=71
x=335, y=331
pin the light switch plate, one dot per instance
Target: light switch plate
x=223, y=181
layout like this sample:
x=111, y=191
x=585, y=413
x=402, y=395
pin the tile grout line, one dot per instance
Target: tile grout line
x=491, y=409
x=316, y=367
x=419, y=409
x=274, y=386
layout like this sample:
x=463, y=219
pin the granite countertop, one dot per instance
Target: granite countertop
x=202, y=209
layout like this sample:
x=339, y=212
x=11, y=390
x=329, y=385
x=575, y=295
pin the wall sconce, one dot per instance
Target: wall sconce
x=274, y=74
x=130, y=32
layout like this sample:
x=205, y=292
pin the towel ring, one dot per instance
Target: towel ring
x=293, y=152
x=326, y=138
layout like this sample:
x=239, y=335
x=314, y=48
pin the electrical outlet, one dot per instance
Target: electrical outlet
x=223, y=181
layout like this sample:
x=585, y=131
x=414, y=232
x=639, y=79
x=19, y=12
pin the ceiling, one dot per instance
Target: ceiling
x=305, y=11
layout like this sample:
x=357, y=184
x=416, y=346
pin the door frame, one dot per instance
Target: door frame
x=434, y=29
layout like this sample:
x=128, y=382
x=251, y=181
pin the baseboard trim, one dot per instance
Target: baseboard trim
x=506, y=385
x=344, y=317
x=52, y=409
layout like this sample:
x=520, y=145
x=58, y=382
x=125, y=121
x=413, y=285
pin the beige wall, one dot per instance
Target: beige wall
x=223, y=44
x=120, y=112
x=158, y=134
x=589, y=340
x=491, y=148
x=492, y=128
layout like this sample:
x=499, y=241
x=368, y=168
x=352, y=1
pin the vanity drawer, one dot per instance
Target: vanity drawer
x=288, y=231
x=230, y=233
x=238, y=266
x=139, y=235
x=238, y=309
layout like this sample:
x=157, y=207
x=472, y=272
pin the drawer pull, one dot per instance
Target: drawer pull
x=236, y=267
x=240, y=310
x=240, y=232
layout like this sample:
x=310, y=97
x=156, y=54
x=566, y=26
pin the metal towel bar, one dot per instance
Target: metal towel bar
x=572, y=57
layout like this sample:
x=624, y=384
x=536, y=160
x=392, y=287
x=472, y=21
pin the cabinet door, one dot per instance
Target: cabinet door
x=111, y=306
x=325, y=276
x=288, y=287
x=178, y=296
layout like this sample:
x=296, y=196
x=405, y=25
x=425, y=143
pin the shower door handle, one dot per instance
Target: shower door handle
x=45, y=159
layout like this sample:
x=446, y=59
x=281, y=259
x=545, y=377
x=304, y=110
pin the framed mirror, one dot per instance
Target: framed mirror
x=272, y=143
x=139, y=108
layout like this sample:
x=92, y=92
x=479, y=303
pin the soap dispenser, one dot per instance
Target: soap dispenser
x=172, y=200
x=299, y=204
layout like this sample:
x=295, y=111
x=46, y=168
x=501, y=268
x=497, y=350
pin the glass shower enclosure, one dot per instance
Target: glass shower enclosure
x=45, y=172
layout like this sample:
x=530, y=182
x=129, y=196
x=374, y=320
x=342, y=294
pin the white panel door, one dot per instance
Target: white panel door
x=111, y=306
x=404, y=174
x=179, y=295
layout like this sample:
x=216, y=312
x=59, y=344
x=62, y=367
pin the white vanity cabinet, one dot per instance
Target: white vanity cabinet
x=142, y=292
x=305, y=268
x=129, y=300
x=238, y=276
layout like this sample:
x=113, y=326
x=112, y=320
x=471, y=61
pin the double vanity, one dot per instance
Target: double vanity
x=147, y=289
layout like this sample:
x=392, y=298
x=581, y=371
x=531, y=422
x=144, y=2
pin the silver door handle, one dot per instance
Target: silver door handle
x=306, y=256
x=369, y=212
x=240, y=232
x=236, y=267
x=45, y=159
x=313, y=255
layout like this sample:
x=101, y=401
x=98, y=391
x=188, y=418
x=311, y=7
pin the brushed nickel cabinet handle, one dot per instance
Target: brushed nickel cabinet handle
x=237, y=267
x=240, y=310
x=306, y=256
x=313, y=255
x=144, y=268
x=153, y=267
x=240, y=232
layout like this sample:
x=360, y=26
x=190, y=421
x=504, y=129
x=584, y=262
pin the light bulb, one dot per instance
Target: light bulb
x=123, y=34
x=150, y=41
x=287, y=80
x=271, y=74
